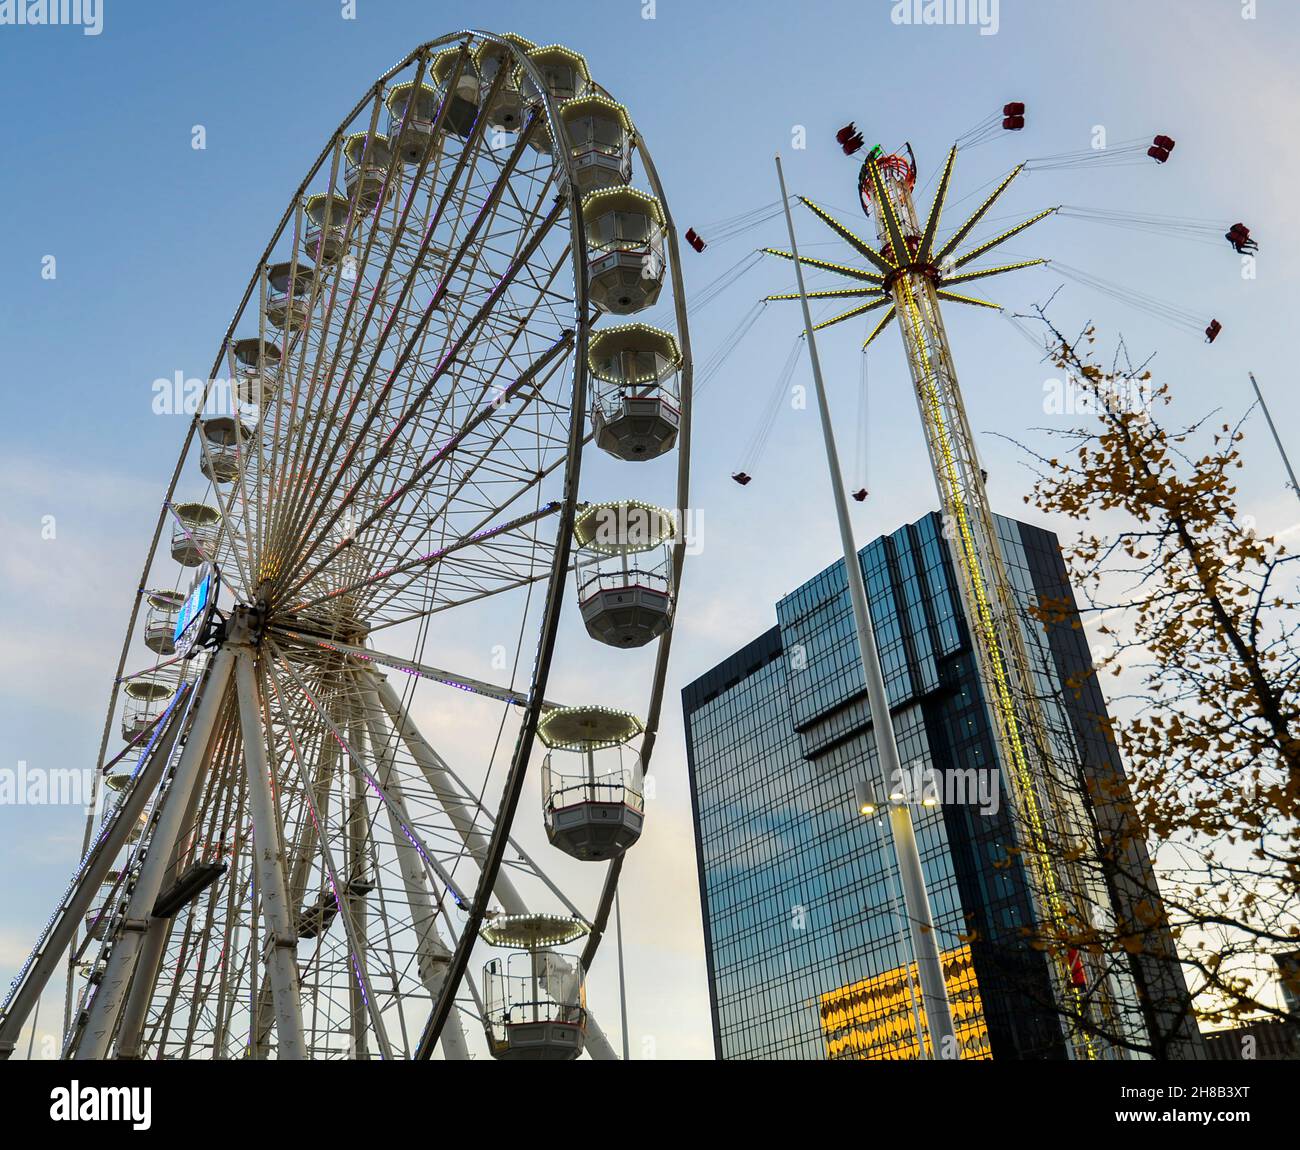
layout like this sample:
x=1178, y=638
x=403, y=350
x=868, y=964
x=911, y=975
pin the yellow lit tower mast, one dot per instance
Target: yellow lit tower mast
x=910, y=272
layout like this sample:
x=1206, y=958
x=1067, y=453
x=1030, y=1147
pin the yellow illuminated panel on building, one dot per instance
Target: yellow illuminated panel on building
x=873, y=1020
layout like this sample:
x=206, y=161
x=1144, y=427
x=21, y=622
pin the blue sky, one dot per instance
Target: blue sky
x=154, y=241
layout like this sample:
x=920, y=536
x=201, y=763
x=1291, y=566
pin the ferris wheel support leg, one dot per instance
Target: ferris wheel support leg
x=106, y=1008
x=317, y=801
x=142, y=987
x=298, y=878
x=358, y=862
x=452, y=1040
x=98, y=862
x=440, y=782
x=154, y=946
x=432, y=954
x=277, y=915
x=598, y=1044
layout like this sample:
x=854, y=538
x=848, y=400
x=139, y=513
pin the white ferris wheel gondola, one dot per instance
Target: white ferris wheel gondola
x=636, y=406
x=593, y=788
x=194, y=533
x=623, y=569
x=456, y=77
x=256, y=371
x=625, y=241
x=224, y=437
x=496, y=58
x=160, y=622
x=290, y=289
x=368, y=157
x=600, y=133
x=326, y=238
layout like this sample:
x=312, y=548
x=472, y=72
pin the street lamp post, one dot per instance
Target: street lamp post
x=916, y=902
x=869, y=808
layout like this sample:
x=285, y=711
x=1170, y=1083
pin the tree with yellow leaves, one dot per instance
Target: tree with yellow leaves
x=1200, y=617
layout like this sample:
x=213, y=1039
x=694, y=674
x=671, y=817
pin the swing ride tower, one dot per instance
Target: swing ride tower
x=911, y=272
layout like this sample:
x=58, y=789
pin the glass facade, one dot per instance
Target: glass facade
x=807, y=951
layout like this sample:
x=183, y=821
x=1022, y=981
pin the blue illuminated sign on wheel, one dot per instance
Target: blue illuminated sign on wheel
x=195, y=608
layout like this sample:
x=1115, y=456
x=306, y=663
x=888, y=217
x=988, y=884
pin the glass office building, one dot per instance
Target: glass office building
x=807, y=955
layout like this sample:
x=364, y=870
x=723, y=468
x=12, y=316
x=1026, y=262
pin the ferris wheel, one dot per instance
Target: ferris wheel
x=294, y=861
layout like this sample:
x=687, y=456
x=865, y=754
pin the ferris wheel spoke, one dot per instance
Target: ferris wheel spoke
x=414, y=406
x=478, y=385
x=416, y=612
x=490, y=376
x=315, y=791
x=280, y=445
x=430, y=558
x=479, y=529
x=304, y=523
x=489, y=244
x=394, y=167
x=447, y=450
x=366, y=655
x=407, y=826
x=466, y=460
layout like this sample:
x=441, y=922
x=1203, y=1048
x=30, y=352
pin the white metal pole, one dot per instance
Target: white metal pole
x=277, y=915
x=622, y=984
x=911, y=982
x=1286, y=462
x=915, y=899
x=110, y=998
x=431, y=954
x=458, y=809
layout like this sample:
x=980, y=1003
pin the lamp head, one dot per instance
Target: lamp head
x=865, y=795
